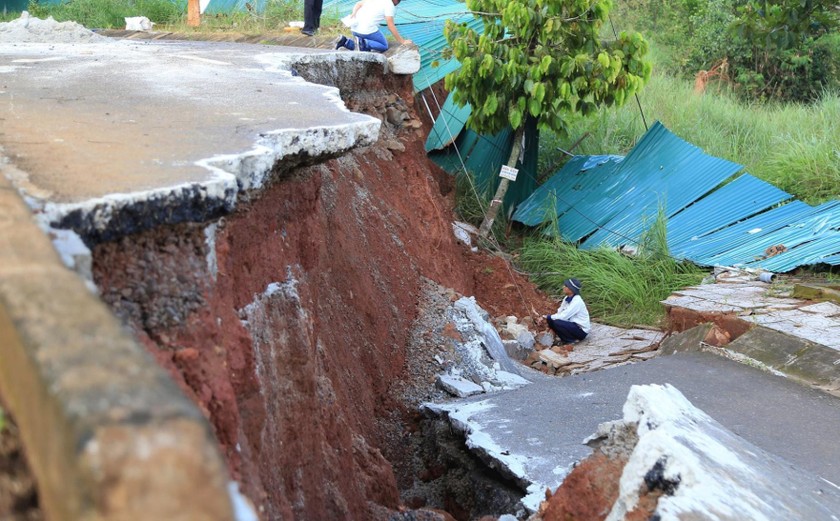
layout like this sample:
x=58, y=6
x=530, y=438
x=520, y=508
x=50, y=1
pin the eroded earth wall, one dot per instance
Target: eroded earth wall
x=287, y=320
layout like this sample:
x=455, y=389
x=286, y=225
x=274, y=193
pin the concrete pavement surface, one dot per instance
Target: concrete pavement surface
x=534, y=433
x=119, y=122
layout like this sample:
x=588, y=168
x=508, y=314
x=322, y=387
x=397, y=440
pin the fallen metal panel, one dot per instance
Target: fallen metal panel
x=823, y=221
x=559, y=194
x=742, y=198
x=743, y=222
x=448, y=125
x=662, y=171
x=810, y=252
x=703, y=249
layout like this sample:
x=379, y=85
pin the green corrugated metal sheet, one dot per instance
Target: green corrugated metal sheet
x=448, y=125
x=609, y=201
x=13, y=6
x=484, y=156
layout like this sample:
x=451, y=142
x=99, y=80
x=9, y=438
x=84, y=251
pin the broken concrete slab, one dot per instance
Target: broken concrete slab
x=808, y=362
x=827, y=309
x=817, y=292
x=231, y=116
x=687, y=341
x=458, y=386
x=679, y=463
x=403, y=59
x=603, y=346
x=541, y=444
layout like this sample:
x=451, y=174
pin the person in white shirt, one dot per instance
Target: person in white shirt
x=571, y=322
x=364, y=22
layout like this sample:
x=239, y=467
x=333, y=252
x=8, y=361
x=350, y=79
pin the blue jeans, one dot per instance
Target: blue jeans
x=567, y=331
x=369, y=42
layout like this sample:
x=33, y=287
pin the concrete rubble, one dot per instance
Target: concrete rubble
x=480, y=362
x=679, y=463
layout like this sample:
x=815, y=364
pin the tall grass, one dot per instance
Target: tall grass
x=471, y=201
x=110, y=14
x=795, y=147
x=618, y=289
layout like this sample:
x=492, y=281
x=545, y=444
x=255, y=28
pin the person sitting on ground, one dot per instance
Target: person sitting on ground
x=571, y=322
x=365, y=19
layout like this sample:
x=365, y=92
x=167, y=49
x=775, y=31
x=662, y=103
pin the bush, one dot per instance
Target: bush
x=776, y=49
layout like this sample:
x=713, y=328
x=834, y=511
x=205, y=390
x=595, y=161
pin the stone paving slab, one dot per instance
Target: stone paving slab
x=815, y=322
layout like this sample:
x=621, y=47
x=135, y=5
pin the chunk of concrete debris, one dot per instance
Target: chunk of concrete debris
x=545, y=339
x=403, y=59
x=138, y=23
x=458, y=386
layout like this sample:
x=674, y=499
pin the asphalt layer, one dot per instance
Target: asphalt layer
x=544, y=424
x=88, y=120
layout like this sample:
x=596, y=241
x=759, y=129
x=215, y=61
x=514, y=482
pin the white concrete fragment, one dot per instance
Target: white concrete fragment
x=457, y=386
x=709, y=472
x=461, y=234
x=404, y=59
x=243, y=510
x=73, y=251
x=138, y=23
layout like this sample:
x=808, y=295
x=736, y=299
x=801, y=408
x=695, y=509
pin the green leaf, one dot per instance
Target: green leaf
x=515, y=118
x=534, y=107
x=491, y=104
x=539, y=92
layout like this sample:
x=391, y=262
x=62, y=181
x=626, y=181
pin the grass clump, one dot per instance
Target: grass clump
x=110, y=14
x=471, y=201
x=618, y=289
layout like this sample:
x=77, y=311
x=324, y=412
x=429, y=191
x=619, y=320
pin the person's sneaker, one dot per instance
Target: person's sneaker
x=340, y=41
x=307, y=32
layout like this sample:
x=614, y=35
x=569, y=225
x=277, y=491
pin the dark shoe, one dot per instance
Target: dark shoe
x=307, y=32
x=340, y=42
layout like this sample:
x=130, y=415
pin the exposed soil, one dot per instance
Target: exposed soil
x=728, y=325
x=307, y=385
x=18, y=495
x=588, y=493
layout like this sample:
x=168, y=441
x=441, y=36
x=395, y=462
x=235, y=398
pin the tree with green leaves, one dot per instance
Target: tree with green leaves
x=541, y=59
x=794, y=47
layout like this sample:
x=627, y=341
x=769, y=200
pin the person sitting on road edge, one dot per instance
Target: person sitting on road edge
x=571, y=322
x=364, y=22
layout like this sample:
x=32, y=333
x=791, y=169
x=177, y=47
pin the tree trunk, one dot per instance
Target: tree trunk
x=496, y=203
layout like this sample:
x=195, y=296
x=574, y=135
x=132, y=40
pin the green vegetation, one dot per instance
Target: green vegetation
x=618, y=289
x=541, y=61
x=793, y=146
x=110, y=14
x=764, y=49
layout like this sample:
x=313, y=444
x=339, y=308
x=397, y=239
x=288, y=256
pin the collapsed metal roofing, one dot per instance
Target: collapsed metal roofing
x=713, y=218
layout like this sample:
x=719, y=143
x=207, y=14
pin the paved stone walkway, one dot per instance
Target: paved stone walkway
x=750, y=301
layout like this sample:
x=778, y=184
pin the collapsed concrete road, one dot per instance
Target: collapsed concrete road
x=261, y=252
x=534, y=435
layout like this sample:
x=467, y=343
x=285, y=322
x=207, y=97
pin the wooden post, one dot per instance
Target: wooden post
x=193, y=13
x=496, y=203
